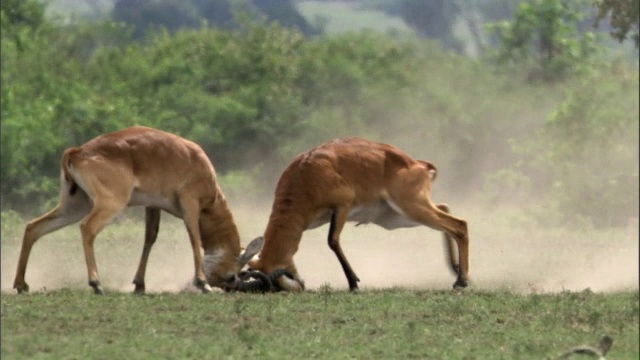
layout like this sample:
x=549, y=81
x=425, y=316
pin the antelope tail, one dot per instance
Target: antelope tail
x=433, y=170
x=66, y=162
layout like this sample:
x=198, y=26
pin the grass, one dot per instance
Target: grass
x=387, y=323
x=494, y=319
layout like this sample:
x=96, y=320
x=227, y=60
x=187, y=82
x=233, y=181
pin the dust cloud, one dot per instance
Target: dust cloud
x=505, y=254
x=502, y=257
x=509, y=250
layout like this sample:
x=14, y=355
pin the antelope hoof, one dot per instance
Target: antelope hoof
x=284, y=280
x=23, y=288
x=460, y=284
x=353, y=284
x=97, y=289
x=202, y=285
x=140, y=288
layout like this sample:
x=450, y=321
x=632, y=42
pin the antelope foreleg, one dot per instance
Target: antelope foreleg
x=152, y=225
x=192, y=222
x=338, y=219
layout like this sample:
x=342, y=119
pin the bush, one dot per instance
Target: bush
x=256, y=97
x=593, y=148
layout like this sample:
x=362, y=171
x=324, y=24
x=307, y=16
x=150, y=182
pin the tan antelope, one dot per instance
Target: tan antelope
x=140, y=166
x=353, y=179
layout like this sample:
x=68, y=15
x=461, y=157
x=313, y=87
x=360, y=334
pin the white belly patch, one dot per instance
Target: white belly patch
x=384, y=213
x=145, y=199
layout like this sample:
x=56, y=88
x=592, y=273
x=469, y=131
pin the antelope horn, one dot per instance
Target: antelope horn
x=276, y=274
x=262, y=283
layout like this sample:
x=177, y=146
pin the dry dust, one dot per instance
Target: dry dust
x=505, y=254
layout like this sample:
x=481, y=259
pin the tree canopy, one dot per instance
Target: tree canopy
x=624, y=16
x=256, y=96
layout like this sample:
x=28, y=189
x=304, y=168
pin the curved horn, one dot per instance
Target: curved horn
x=276, y=274
x=262, y=283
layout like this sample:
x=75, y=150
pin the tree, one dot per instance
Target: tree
x=624, y=18
x=545, y=35
x=22, y=12
x=19, y=18
x=493, y=11
x=433, y=19
x=591, y=144
x=285, y=12
x=143, y=14
x=174, y=15
x=468, y=10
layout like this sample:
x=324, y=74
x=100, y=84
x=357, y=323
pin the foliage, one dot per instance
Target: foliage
x=333, y=17
x=171, y=15
x=433, y=19
x=19, y=19
x=47, y=103
x=237, y=95
x=11, y=225
x=583, y=163
x=625, y=18
x=391, y=323
x=28, y=14
x=142, y=15
x=286, y=14
x=255, y=97
x=545, y=35
x=593, y=138
x=496, y=11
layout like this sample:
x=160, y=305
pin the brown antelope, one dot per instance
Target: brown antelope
x=354, y=179
x=140, y=166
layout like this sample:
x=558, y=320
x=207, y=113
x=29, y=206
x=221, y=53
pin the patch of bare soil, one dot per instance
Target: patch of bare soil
x=518, y=258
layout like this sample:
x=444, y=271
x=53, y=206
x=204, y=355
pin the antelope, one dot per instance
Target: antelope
x=353, y=179
x=141, y=166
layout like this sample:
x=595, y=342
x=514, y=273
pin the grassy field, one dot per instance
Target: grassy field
x=535, y=293
x=325, y=323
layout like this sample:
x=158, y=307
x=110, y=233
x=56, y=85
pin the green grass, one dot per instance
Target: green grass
x=505, y=314
x=391, y=323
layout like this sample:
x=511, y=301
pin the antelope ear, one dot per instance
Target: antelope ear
x=253, y=248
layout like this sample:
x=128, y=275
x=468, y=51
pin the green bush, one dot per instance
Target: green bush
x=593, y=148
x=256, y=97
x=544, y=37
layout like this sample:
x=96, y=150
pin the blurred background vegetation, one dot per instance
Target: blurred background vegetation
x=519, y=103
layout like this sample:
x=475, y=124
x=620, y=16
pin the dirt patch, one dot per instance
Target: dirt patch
x=507, y=258
x=503, y=256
